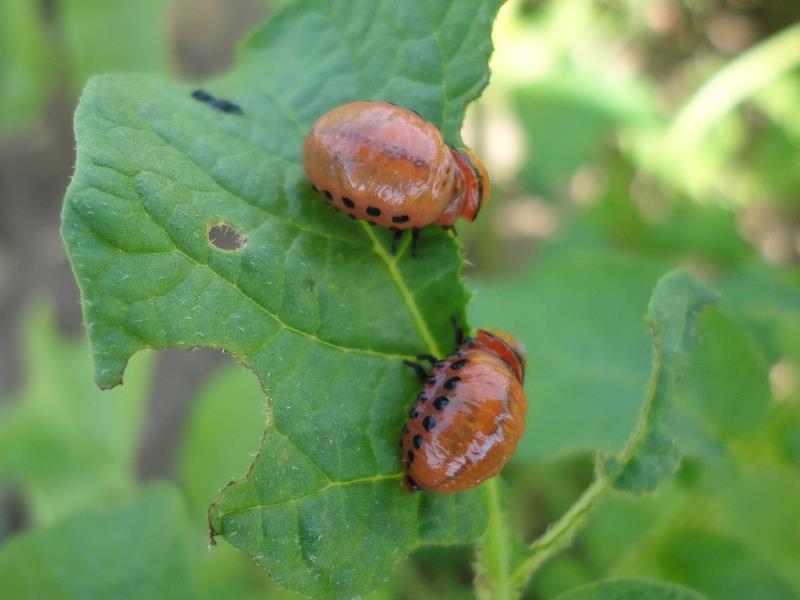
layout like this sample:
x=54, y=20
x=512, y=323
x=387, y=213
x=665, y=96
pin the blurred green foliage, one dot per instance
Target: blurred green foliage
x=221, y=436
x=63, y=441
x=602, y=187
x=26, y=73
x=626, y=199
x=137, y=549
x=630, y=589
x=44, y=45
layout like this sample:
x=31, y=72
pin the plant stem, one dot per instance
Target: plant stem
x=493, y=562
x=559, y=535
x=734, y=83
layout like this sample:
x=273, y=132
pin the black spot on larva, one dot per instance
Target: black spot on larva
x=459, y=364
x=410, y=456
x=417, y=441
x=440, y=402
x=450, y=384
x=202, y=95
x=412, y=484
x=348, y=203
x=438, y=364
x=400, y=219
x=328, y=195
x=373, y=211
x=421, y=397
x=431, y=380
x=413, y=413
x=405, y=428
x=429, y=422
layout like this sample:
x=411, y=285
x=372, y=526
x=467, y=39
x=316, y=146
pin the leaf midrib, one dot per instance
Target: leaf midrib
x=331, y=484
x=408, y=297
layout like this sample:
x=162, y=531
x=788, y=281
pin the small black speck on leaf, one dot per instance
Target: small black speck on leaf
x=202, y=96
x=227, y=106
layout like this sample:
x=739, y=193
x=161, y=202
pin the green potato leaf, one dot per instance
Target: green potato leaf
x=138, y=549
x=755, y=509
x=579, y=314
x=726, y=386
x=652, y=454
x=631, y=589
x=717, y=565
x=311, y=302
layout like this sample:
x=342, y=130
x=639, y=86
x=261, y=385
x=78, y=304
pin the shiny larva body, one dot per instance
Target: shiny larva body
x=468, y=418
x=386, y=165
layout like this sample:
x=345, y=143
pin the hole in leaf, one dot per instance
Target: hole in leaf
x=226, y=237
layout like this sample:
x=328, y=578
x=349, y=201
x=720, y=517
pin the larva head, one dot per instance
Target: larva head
x=476, y=182
x=506, y=347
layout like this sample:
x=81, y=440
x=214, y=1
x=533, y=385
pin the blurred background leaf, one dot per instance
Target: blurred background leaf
x=26, y=64
x=107, y=37
x=580, y=315
x=63, y=441
x=139, y=549
x=631, y=589
x=47, y=45
x=222, y=435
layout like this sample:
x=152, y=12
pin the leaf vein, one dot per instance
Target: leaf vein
x=332, y=484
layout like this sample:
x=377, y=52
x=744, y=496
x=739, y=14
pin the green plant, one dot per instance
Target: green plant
x=326, y=476
x=645, y=486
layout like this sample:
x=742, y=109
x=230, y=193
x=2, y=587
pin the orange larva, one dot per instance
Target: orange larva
x=469, y=416
x=386, y=165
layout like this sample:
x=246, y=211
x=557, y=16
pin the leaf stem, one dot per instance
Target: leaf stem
x=559, y=535
x=493, y=561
